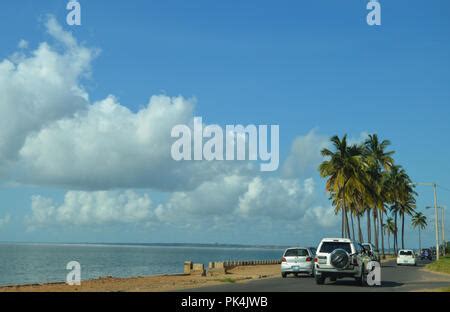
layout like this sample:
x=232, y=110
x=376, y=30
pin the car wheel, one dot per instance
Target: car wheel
x=283, y=275
x=320, y=279
x=333, y=279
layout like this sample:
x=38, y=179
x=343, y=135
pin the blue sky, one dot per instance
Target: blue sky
x=301, y=64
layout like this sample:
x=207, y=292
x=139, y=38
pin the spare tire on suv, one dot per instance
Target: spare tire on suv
x=340, y=259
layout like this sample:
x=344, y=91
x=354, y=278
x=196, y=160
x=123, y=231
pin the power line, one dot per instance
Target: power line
x=444, y=188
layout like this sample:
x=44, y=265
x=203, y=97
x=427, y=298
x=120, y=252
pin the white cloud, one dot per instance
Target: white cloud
x=235, y=198
x=52, y=134
x=90, y=208
x=305, y=157
x=5, y=220
x=40, y=88
x=276, y=198
x=224, y=202
x=212, y=198
x=108, y=146
x=23, y=44
x=358, y=139
x=323, y=216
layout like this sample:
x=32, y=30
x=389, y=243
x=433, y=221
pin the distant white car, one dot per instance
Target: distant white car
x=406, y=257
x=297, y=260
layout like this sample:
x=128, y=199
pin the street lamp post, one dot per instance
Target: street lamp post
x=436, y=222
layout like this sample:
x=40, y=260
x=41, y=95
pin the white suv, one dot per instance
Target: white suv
x=340, y=258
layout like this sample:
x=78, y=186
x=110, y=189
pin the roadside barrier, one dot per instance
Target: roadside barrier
x=219, y=268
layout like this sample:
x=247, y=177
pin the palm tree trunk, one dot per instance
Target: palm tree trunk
x=375, y=229
x=353, y=227
x=420, y=242
x=360, y=234
x=403, y=231
x=347, y=225
x=382, y=235
x=345, y=211
x=395, y=234
x=369, y=230
x=342, y=223
x=389, y=241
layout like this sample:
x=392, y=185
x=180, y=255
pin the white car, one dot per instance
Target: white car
x=407, y=257
x=340, y=258
x=297, y=260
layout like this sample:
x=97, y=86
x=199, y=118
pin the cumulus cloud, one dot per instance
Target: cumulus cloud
x=108, y=146
x=23, y=44
x=40, y=88
x=231, y=199
x=5, y=220
x=305, y=157
x=90, y=208
x=52, y=134
x=224, y=202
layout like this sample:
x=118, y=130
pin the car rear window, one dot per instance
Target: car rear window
x=406, y=253
x=296, y=253
x=329, y=247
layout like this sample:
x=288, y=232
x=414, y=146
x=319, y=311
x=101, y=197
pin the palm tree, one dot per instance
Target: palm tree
x=390, y=229
x=406, y=208
x=342, y=170
x=380, y=161
x=401, y=196
x=419, y=221
x=363, y=179
x=394, y=211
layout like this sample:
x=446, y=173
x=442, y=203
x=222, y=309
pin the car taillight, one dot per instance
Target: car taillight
x=283, y=259
x=308, y=259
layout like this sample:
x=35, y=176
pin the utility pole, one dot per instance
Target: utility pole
x=442, y=226
x=444, y=244
x=436, y=219
x=443, y=229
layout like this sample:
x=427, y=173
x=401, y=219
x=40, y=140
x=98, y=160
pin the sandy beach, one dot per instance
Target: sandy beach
x=162, y=283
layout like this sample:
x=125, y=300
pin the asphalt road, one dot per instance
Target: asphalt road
x=394, y=278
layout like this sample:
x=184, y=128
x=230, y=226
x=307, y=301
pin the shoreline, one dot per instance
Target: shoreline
x=154, y=283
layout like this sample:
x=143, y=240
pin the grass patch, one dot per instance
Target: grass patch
x=441, y=266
